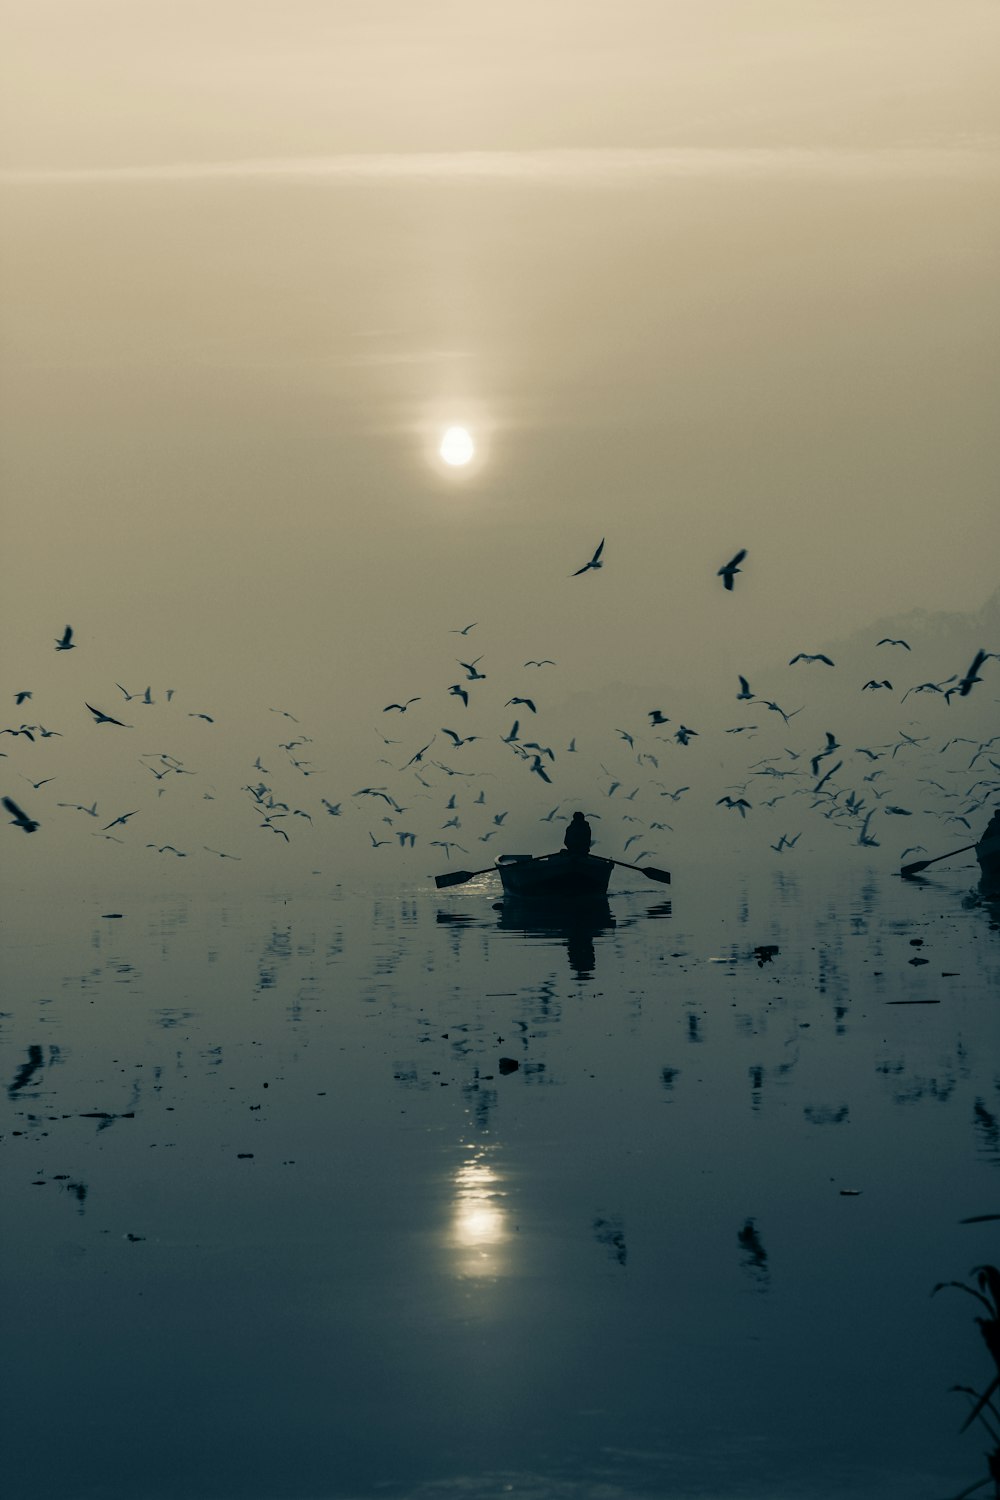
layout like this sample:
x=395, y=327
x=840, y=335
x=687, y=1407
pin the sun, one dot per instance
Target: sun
x=457, y=447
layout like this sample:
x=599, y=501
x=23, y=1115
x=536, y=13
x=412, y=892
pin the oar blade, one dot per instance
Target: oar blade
x=652, y=873
x=453, y=877
x=459, y=877
x=922, y=864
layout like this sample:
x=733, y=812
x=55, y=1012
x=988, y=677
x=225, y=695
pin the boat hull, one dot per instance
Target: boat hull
x=988, y=855
x=555, y=877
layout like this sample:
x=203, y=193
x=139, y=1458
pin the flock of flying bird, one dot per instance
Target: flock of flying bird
x=437, y=770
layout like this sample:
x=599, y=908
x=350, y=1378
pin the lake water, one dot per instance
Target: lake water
x=360, y=1193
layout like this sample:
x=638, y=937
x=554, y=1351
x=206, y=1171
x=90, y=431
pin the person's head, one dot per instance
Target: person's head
x=578, y=816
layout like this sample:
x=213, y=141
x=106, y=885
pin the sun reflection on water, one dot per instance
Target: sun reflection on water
x=479, y=1232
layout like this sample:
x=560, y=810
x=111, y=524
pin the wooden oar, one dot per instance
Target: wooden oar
x=650, y=871
x=459, y=877
x=921, y=864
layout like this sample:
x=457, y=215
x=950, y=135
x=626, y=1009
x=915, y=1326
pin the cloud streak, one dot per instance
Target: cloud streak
x=975, y=159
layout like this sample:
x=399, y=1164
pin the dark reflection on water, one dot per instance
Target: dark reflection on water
x=575, y=924
x=423, y=1197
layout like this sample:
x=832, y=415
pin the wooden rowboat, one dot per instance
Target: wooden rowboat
x=555, y=876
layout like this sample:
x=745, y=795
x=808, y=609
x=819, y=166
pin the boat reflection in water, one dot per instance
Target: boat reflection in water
x=576, y=922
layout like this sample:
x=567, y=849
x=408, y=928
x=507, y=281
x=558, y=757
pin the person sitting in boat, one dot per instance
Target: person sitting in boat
x=988, y=848
x=577, y=836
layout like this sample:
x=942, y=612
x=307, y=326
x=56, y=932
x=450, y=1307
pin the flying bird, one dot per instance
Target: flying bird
x=818, y=656
x=544, y=663
x=656, y=716
x=887, y=640
x=401, y=706
x=465, y=629
x=526, y=701
x=775, y=708
x=123, y=819
x=457, y=691
x=100, y=717
x=66, y=641
x=684, y=735
x=744, y=691
x=873, y=686
x=21, y=697
x=740, y=804
x=595, y=562
x=418, y=757
x=968, y=682
x=18, y=817
x=829, y=748
x=447, y=846
x=729, y=571
x=470, y=667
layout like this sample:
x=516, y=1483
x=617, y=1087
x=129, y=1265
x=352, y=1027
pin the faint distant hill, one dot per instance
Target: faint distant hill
x=937, y=640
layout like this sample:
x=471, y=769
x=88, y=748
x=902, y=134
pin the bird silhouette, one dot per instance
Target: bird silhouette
x=470, y=667
x=744, y=691
x=684, y=734
x=829, y=748
x=418, y=757
x=730, y=569
x=458, y=691
x=595, y=561
x=447, y=846
x=546, y=662
x=402, y=707
x=964, y=687
x=18, y=817
x=887, y=640
x=122, y=819
x=66, y=641
x=775, y=708
x=100, y=717
x=817, y=656
x=526, y=701
x=465, y=629
x=738, y=804
x=873, y=686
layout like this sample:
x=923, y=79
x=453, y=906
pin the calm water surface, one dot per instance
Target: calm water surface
x=393, y=1195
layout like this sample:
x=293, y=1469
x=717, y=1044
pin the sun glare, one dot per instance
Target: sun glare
x=457, y=447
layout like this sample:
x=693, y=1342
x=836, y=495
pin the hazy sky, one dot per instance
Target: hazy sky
x=695, y=276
